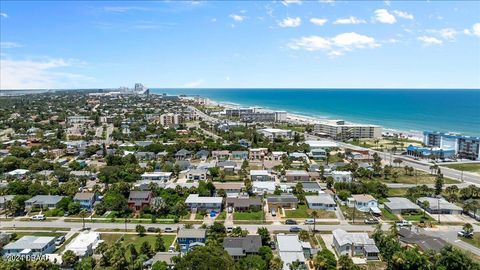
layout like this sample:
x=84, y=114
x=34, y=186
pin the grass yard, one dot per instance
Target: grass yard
x=21, y=234
x=258, y=215
x=387, y=215
x=110, y=238
x=417, y=217
x=221, y=216
x=359, y=216
x=397, y=192
x=419, y=178
x=136, y=240
x=474, y=241
x=304, y=212
x=469, y=167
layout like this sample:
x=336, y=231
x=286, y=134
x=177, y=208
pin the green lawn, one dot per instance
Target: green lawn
x=198, y=216
x=110, y=238
x=221, y=216
x=136, y=240
x=21, y=234
x=397, y=192
x=387, y=215
x=303, y=212
x=417, y=217
x=418, y=177
x=474, y=241
x=470, y=167
x=248, y=215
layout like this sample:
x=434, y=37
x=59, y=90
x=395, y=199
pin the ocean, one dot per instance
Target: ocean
x=412, y=110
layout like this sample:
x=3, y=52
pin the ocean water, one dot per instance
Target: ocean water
x=454, y=110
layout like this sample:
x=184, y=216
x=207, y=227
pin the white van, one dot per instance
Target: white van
x=38, y=217
x=274, y=213
x=309, y=221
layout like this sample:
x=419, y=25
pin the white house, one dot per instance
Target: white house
x=85, y=243
x=260, y=187
x=342, y=176
x=291, y=249
x=197, y=174
x=194, y=201
x=322, y=201
x=355, y=244
x=364, y=203
x=156, y=176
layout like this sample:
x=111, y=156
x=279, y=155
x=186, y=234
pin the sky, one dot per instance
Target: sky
x=244, y=44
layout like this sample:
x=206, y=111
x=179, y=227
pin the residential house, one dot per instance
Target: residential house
x=355, y=244
x=260, y=175
x=291, y=249
x=194, y=201
x=244, y=203
x=197, y=174
x=322, y=201
x=221, y=155
x=85, y=199
x=183, y=154
x=245, y=143
x=341, y=176
x=183, y=164
x=189, y=238
x=439, y=206
x=278, y=155
x=145, y=155
x=238, y=247
x=43, y=201
x=282, y=201
x=239, y=155
x=232, y=189
x=156, y=176
x=202, y=154
x=84, y=174
x=30, y=246
x=4, y=199
x=137, y=200
x=274, y=133
x=162, y=256
x=424, y=242
x=399, y=205
x=364, y=203
x=257, y=153
x=262, y=187
x=312, y=187
x=18, y=173
x=318, y=153
x=228, y=166
x=84, y=244
x=298, y=156
x=296, y=176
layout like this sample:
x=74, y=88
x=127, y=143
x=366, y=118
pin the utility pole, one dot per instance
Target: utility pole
x=438, y=209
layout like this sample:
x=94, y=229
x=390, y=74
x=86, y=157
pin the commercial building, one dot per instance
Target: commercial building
x=171, y=119
x=341, y=130
x=463, y=146
x=30, y=245
x=275, y=133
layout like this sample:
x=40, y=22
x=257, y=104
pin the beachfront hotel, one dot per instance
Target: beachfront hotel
x=254, y=115
x=467, y=147
x=339, y=129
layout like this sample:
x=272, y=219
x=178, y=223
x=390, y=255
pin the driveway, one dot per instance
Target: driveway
x=328, y=240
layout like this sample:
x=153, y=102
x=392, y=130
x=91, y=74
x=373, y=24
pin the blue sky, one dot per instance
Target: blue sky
x=318, y=44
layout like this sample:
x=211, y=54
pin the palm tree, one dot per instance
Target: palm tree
x=314, y=216
x=83, y=214
x=425, y=205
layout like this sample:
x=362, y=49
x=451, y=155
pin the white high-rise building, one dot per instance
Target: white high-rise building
x=170, y=119
x=339, y=129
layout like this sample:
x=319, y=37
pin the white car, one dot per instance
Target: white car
x=403, y=223
x=309, y=221
x=274, y=213
x=38, y=217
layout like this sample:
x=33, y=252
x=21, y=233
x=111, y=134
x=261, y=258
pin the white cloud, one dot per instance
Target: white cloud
x=318, y=21
x=213, y=20
x=4, y=15
x=237, y=18
x=427, y=40
x=10, y=45
x=289, y=2
x=403, y=14
x=194, y=84
x=290, y=22
x=334, y=46
x=448, y=33
x=349, y=20
x=38, y=74
x=383, y=16
x=474, y=31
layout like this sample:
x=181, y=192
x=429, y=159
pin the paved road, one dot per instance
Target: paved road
x=449, y=234
x=204, y=116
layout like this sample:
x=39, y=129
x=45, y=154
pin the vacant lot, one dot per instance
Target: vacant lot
x=136, y=240
x=471, y=167
x=258, y=215
x=418, y=177
x=303, y=212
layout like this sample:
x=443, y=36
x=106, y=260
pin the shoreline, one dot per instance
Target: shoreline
x=296, y=118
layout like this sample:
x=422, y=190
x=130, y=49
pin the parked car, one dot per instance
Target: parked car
x=229, y=229
x=230, y=209
x=274, y=213
x=309, y=221
x=290, y=222
x=371, y=221
x=295, y=229
x=273, y=245
x=465, y=234
x=59, y=240
x=403, y=223
x=171, y=249
x=168, y=230
x=153, y=229
x=38, y=217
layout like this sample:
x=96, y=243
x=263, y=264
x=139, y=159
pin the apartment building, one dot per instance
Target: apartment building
x=340, y=130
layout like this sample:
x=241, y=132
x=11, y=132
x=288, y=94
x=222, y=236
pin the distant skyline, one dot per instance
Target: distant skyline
x=244, y=44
